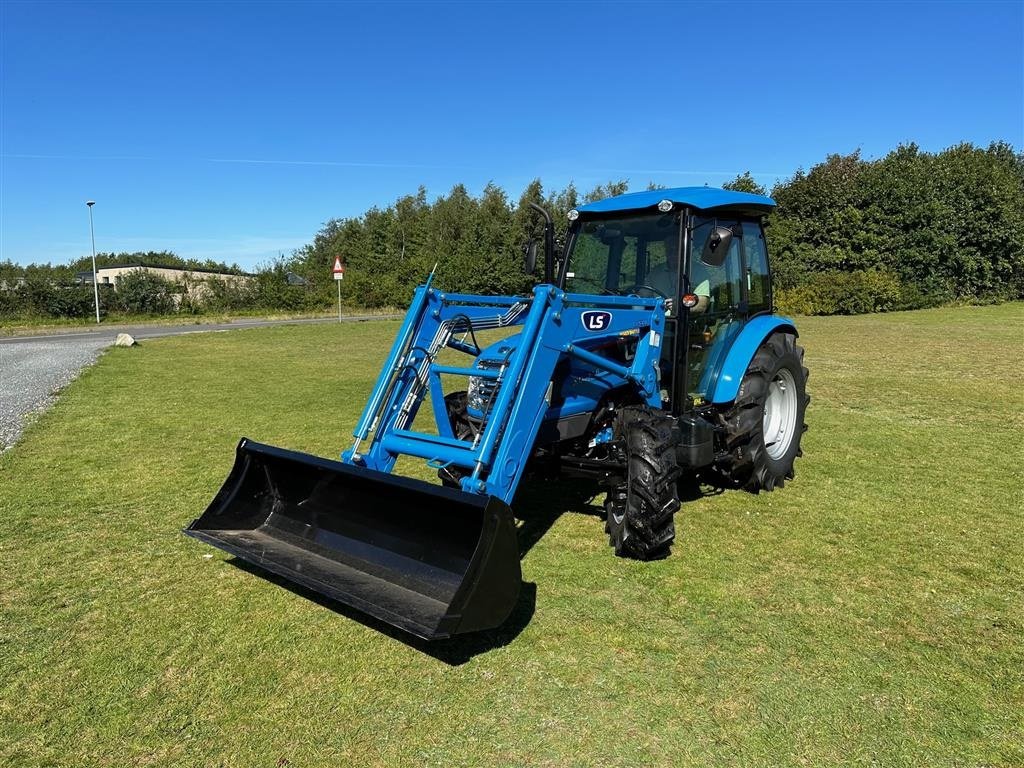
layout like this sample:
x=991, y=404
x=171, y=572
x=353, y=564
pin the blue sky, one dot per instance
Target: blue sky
x=233, y=131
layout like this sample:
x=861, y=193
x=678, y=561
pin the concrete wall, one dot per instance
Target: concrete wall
x=110, y=275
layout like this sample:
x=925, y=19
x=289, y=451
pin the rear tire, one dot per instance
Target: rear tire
x=765, y=423
x=640, y=512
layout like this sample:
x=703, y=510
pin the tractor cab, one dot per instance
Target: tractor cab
x=701, y=250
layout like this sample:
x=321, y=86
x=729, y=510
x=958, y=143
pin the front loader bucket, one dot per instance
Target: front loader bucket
x=429, y=560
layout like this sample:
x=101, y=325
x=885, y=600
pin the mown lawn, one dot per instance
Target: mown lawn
x=871, y=613
x=30, y=325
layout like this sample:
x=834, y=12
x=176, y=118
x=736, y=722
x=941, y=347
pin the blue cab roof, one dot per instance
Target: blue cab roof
x=704, y=198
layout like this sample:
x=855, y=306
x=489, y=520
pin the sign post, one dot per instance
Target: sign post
x=339, y=275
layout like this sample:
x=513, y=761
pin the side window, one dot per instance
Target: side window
x=721, y=284
x=759, y=287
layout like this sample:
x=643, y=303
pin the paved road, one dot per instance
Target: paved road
x=108, y=332
x=34, y=368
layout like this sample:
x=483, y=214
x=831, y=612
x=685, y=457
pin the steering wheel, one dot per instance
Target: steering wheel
x=628, y=290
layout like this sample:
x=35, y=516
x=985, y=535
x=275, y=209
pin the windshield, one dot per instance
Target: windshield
x=618, y=255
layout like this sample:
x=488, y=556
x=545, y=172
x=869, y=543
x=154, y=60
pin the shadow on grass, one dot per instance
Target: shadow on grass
x=454, y=651
x=700, y=486
x=538, y=505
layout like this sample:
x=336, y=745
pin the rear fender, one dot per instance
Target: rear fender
x=742, y=352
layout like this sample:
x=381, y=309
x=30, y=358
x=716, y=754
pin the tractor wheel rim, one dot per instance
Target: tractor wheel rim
x=780, y=409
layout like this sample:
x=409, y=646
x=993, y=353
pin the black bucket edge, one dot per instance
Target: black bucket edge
x=484, y=583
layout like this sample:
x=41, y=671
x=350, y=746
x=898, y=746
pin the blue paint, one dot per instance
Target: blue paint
x=742, y=351
x=412, y=317
x=704, y=198
x=603, y=436
x=553, y=330
x=579, y=391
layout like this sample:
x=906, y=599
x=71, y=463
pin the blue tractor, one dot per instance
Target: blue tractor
x=648, y=355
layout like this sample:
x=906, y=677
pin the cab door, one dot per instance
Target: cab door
x=755, y=266
x=716, y=274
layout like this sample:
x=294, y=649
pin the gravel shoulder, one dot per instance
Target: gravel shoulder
x=33, y=372
x=33, y=369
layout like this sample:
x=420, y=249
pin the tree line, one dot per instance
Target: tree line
x=850, y=235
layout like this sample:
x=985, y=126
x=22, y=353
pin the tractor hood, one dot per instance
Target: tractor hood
x=498, y=353
x=577, y=387
x=481, y=391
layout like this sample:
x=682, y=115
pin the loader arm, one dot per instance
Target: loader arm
x=554, y=324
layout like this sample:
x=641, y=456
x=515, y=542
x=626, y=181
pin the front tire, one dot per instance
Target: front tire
x=640, y=512
x=765, y=424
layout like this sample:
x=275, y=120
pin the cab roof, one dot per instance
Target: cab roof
x=703, y=198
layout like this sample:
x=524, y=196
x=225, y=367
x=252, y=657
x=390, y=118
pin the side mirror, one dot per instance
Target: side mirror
x=530, y=256
x=717, y=247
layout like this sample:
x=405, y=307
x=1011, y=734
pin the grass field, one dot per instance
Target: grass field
x=871, y=613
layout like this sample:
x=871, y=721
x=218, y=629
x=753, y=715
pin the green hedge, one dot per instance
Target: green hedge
x=948, y=225
x=907, y=230
x=144, y=293
x=850, y=293
x=38, y=296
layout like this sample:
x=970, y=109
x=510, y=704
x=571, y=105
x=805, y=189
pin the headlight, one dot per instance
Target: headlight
x=482, y=392
x=475, y=394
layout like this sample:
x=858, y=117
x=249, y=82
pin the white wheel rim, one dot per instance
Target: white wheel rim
x=780, y=409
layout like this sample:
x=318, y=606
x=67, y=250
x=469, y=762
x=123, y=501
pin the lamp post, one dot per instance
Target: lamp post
x=95, y=285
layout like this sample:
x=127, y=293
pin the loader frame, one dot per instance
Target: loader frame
x=554, y=324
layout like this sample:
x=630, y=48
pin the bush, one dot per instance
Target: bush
x=41, y=296
x=950, y=223
x=75, y=301
x=850, y=293
x=11, y=304
x=272, y=291
x=223, y=296
x=143, y=293
x=188, y=304
x=37, y=296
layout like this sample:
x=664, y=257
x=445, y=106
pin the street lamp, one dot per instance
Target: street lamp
x=95, y=285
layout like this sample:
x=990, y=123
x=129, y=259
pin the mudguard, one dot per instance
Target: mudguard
x=742, y=352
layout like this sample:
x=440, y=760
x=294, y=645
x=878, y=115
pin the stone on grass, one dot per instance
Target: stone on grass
x=124, y=340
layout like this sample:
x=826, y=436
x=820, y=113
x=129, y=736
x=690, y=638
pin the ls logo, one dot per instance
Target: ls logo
x=596, y=321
